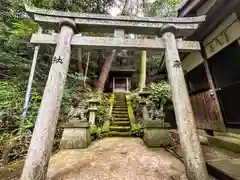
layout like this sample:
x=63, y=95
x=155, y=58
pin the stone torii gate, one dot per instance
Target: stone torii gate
x=68, y=24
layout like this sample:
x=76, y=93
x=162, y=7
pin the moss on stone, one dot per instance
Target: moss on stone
x=106, y=127
x=130, y=110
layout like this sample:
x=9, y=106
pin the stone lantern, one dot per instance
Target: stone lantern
x=143, y=102
x=92, y=110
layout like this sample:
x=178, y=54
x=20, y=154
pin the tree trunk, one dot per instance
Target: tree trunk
x=86, y=69
x=143, y=66
x=36, y=163
x=105, y=70
x=79, y=61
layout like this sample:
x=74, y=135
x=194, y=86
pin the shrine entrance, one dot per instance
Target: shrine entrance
x=120, y=84
x=121, y=80
x=172, y=32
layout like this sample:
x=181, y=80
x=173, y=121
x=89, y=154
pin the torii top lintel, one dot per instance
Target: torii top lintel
x=105, y=23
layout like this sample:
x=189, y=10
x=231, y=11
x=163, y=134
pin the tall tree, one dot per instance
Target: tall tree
x=163, y=8
x=105, y=70
x=110, y=58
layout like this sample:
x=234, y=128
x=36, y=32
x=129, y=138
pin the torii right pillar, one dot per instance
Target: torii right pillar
x=193, y=157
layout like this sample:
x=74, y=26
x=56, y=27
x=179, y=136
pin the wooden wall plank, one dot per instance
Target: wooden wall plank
x=205, y=111
x=223, y=39
x=192, y=61
x=225, y=24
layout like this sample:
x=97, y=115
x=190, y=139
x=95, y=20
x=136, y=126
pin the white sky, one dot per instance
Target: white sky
x=114, y=11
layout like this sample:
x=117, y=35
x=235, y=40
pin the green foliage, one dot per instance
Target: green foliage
x=11, y=103
x=102, y=110
x=106, y=127
x=23, y=27
x=160, y=94
x=137, y=129
x=93, y=129
x=111, y=99
x=130, y=109
x=164, y=8
x=94, y=6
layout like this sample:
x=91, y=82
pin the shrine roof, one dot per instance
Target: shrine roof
x=120, y=72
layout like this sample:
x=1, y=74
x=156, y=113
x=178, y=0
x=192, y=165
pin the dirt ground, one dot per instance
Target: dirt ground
x=115, y=159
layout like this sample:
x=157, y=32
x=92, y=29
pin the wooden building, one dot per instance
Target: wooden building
x=213, y=74
x=121, y=73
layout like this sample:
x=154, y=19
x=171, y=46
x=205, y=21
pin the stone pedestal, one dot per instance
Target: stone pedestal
x=76, y=135
x=92, y=115
x=144, y=94
x=92, y=110
x=156, y=133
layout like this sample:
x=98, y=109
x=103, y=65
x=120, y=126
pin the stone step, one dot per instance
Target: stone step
x=113, y=133
x=120, y=115
x=120, y=112
x=120, y=108
x=224, y=168
x=121, y=119
x=120, y=103
x=120, y=123
x=120, y=128
x=225, y=142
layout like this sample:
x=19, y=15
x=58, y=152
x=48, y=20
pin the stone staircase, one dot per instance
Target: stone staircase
x=120, y=126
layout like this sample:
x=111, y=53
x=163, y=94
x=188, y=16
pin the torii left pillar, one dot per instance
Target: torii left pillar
x=36, y=163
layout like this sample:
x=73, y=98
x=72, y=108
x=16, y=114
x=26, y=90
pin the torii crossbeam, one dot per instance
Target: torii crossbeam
x=68, y=23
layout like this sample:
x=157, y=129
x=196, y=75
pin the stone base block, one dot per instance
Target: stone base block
x=225, y=142
x=156, y=134
x=75, y=136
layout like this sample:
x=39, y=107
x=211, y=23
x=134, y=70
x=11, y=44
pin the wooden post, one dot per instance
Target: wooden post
x=143, y=69
x=36, y=163
x=79, y=61
x=190, y=144
x=127, y=84
x=214, y=94
x=113, y=84
x=86, y=70
x=30, y=81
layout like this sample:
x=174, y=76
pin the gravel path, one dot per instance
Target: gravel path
x=115, y=159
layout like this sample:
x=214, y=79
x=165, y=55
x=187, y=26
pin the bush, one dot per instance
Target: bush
x=13, y=145
x=159, y=97
x=160, y=94
x=137, y=130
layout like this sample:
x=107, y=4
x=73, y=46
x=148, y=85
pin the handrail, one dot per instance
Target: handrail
x=111, y=101
x=130, y=110
x=106, y=125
